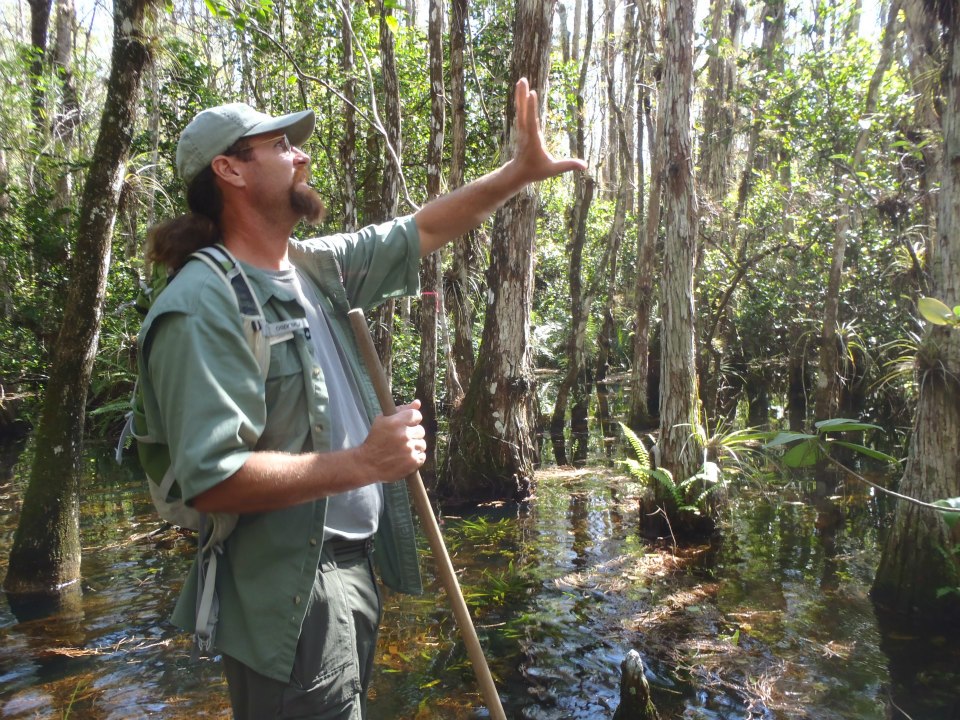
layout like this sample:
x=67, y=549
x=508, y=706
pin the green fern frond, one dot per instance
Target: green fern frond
x=643, y=457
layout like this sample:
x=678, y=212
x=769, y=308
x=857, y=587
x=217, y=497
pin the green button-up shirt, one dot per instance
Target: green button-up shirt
x=205, y=398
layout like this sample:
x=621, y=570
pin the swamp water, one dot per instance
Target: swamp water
x=771, y=621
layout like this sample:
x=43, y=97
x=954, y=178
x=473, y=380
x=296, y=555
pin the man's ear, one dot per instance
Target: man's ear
x=225, y=168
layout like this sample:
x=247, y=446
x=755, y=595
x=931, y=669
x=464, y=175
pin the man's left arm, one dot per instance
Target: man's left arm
x=460, y=211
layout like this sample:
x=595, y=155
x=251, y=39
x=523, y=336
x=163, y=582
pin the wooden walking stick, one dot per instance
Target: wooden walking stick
x=422, y=504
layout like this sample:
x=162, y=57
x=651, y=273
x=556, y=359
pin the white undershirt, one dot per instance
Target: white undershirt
x=355, y=514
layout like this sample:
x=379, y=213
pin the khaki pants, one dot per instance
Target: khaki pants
x=334, y=662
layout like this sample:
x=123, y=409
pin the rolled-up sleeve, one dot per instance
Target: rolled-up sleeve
x=376, y=263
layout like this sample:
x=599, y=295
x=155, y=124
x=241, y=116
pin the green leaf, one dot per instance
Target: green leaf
x=843, y=425
x=869, y=452
x=392, y=23
x=788, y=437
x=936, y=312
x=663, y=476
x=803, y=455
x=950, y=518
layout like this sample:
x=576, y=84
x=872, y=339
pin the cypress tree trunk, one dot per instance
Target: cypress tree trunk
x=348, y=148
x=39, y=29
x=46, y=550
x=924, y=57
x=574, y=378
x=640, y=417
x=492, y=445
x=390, y=192
x=580, y=300
x=919, y=556
x=431, y=307
x=461, y=306
x=680, y=441
x=68, y=111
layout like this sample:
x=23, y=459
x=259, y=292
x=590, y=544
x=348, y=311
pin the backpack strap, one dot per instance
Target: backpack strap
x=259, y=333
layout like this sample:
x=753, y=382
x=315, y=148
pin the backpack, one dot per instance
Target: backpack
x=213, y=528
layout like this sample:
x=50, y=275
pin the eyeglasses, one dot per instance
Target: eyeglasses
x=282, y=142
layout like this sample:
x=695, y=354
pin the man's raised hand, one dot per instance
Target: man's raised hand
x=534, y=162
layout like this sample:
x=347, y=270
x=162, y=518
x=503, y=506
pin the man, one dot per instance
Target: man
x=295, y=455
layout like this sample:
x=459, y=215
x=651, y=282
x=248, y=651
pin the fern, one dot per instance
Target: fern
x=640, y=468
x=643, y=457
x=687, y=497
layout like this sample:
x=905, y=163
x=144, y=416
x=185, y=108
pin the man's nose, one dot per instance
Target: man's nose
x=300, y=156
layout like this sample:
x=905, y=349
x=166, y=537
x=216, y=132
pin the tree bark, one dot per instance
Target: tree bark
x=640, y=417
x=680, y=439
x=492, y=446
x=39, y=31
x=431, y=307
x=919, y=557
x=462, y=261
x=46, y=550
x=574, y=379
x=924, y=56
x=580, y=300
x=390, y=190
x=68, y=112
x=632, y=206
x=348, y=147
x=609, y=149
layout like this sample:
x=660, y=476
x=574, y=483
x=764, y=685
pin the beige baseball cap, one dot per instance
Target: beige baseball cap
x=214, y=130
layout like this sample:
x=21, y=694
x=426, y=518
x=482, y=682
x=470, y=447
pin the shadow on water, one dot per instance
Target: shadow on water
x=771, y=621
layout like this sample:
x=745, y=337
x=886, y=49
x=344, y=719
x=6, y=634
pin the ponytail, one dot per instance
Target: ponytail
x=171, y=242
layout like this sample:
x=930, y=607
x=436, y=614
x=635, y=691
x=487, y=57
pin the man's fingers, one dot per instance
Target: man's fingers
x=416, y=432
x=520, y=94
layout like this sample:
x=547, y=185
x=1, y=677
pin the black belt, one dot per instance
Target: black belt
x=344, y=550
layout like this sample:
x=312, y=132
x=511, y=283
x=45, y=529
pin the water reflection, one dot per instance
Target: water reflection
x=773, y=621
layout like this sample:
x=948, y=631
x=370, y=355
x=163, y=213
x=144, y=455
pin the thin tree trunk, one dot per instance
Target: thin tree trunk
x=39, y=30
x=917, y=561
x=348, y=147
x=579, y=302
x=640, y=416
x=154, y=130
x=68, y=113
x=390, y=193
x=626, y=200
x=492, y=445
x=46, y=550
x=6, y=288
x=460, y=364
x=431, y=308
x=757, y=157
x=610, y=150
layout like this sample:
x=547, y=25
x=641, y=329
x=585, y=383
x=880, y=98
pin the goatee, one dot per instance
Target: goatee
x=306, y=202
